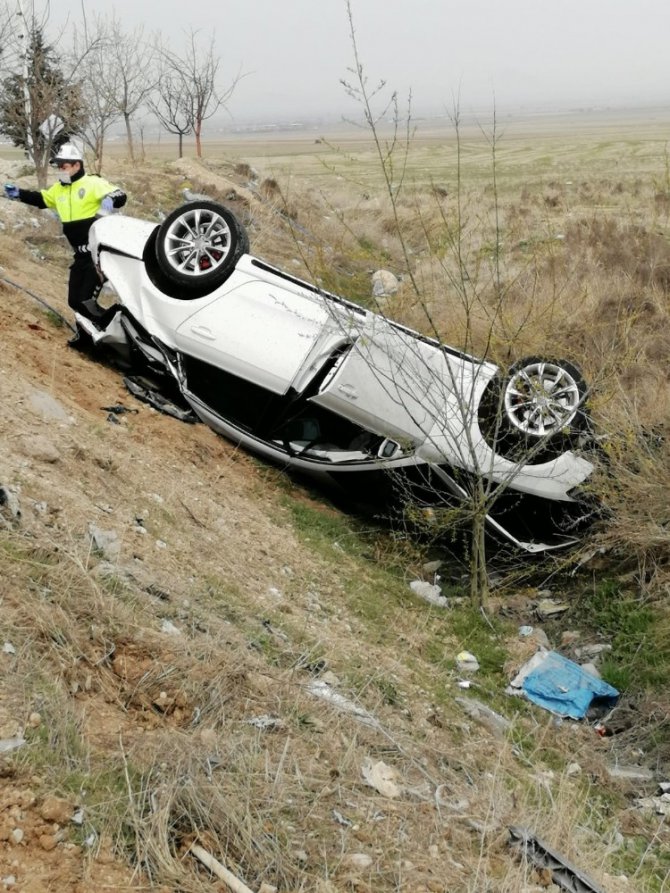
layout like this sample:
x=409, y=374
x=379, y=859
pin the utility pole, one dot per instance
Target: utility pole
x=24, y=35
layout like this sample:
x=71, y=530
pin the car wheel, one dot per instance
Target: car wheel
x=535, y=410
x=543, y=398
x=198, y=245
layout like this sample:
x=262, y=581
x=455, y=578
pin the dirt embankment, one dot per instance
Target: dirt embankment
x=169, y=637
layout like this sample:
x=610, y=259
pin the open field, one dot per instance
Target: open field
x=571, y=147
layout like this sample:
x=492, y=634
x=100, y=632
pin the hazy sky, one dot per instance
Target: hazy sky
x=511, y=52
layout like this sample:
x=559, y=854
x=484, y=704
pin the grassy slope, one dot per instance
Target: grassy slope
x=157, y=734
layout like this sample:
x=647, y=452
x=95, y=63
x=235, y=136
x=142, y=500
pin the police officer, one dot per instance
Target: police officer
x=77, y=198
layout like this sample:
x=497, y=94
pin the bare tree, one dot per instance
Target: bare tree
x=98, y=70
x=43, y=90
x=485, y=455
x=136, y=77
x=6, y=27
x=171, y=106
x=119, y=74
x=39, y=99
x=196, y=95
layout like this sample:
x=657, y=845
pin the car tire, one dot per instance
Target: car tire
x=537, y=409
x=197, y=247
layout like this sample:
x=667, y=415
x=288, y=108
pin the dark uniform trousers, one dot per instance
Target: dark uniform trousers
x=84, y=286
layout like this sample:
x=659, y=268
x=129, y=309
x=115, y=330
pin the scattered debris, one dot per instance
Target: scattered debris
x=9, y=744
x=235, y=884
x=117, y=409
x=467, y=662
x=547, y=608
x=341, y=820
x=486, y=716
x=592, y=651
x=660, y=804
x=382, y=778
x=167, y=626
x=563, y=873
x=266, y=723
x=148, y=392
x=429, y=592
x=322, y=690
x=552, y=681
x=8, y=648
x=632, y=773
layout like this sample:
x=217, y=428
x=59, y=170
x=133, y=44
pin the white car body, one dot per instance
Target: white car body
x=296, y=349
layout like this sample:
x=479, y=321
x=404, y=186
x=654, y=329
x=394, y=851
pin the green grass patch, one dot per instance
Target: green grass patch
x=324, y=528
x=54, y=319
x=648, y=863
x=639, y=632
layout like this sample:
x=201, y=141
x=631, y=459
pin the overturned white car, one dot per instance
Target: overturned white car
x=321, y=385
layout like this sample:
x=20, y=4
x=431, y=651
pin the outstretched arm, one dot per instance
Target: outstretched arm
x=27, y=196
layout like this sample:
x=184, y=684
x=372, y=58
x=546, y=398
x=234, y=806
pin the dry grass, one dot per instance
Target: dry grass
x=214, y=734
x=562, y=258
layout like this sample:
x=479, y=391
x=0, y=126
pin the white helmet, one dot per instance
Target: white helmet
x=69, y=152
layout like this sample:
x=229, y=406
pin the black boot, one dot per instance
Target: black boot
x=81, y=341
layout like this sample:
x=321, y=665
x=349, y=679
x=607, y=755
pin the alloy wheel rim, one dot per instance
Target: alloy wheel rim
x=541, y=399
x=198, y=242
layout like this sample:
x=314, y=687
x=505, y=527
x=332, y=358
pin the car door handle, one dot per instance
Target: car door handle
x=203, y=332
x=349, y=391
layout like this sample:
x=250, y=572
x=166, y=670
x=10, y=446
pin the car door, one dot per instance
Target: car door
x=390, y=382
x=261, y=332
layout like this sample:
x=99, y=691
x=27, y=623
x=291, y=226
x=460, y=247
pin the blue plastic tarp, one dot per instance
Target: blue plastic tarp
x=562, y=686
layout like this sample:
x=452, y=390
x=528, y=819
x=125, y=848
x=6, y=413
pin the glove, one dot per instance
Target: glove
x=11, y=191
x=107, y=204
